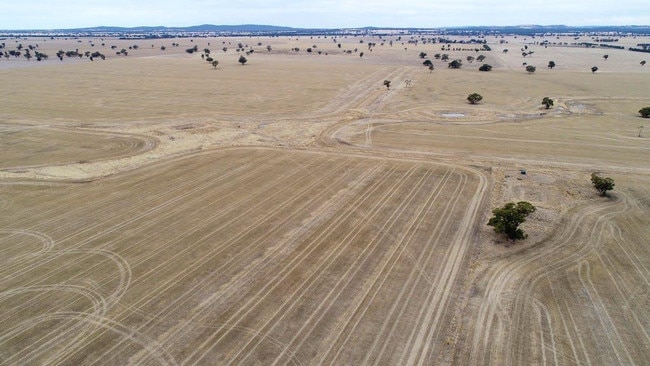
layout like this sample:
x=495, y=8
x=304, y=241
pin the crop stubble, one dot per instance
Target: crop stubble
x=238, y=256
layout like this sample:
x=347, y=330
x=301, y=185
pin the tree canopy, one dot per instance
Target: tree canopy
x=547, y=102
x=594, y=69
x=644, y=112
x=602, y=184
x=506, y=219
x=551, y=64
x=531, y=69
x=242, y=60
x=485, y=67
x=456, y=64
x=474, y=98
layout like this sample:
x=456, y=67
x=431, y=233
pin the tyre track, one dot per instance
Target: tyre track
x=352, y=271
x=552, y=254
x=233, y=261
x=273, y=283
x=174, y=280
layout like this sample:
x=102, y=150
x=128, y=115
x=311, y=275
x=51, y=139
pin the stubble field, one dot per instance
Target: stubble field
x=295, y=211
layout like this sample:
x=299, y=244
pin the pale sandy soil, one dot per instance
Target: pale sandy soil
x=296, y=211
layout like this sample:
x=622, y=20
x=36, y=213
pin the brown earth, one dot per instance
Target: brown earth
x=296, y=211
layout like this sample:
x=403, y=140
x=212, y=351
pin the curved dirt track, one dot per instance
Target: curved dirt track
x=542, y=304
x=30, y=146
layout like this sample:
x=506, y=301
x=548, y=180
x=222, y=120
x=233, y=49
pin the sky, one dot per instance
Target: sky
x=49, y=14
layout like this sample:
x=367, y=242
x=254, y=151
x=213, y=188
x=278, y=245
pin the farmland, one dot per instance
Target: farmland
x=295, y=210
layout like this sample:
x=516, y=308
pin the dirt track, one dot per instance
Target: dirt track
x=312, y=216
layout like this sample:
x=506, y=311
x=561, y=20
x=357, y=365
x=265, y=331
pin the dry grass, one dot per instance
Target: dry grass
x=295, y=211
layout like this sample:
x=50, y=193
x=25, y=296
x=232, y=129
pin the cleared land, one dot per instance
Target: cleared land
x=296, y=211
x=255, y=257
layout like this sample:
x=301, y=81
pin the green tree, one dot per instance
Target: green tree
x=602, y=184
x=474, y=98
x=387, y=84
x=423, y=55
x=215, y=63
x=485, y=67
x=642, y=63
x=594, y=69
x=242, y=60
x=547, y=102
x=531, y=69
x=470, y=59
x=427, y=63
x=605, y=57
x=480, y=58
x=456, y=64
x=551, y=64
x=506, y=219
x=644, y=112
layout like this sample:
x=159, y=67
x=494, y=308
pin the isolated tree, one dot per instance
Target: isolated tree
x=209, y=59
x=242, y=60
x=268, y=48
x=547, y=102
x=605, y=57
x=474, y=98
x=215, y=63
x=431, y=69
x=361, y=54
x=602, y=184
x=485, y=67
x=551, y=64
x=436, y=56
x=645, y=112
x=531, y=69
x=470, y=59
x=444, y=57
x=642, y=63
x=224, y=49
x=505, y=50
x=594, y=69
x=456, y=64
x=387, y=84
x=427, y=63
x=423, y=54
x=480, y=58
x=506, y=219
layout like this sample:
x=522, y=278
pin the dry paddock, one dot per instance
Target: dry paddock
x=155, y=210
x=236, y=257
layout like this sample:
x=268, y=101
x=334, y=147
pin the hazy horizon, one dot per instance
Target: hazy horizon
x=41, y=14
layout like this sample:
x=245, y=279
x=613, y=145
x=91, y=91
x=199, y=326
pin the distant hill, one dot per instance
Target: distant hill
x=195, y=28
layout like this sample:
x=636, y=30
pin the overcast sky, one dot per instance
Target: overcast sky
x=48, y=14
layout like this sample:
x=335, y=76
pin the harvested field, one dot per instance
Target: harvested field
x=26, y=146
x=238, y=256
x=295, y=210
x=584, y=288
